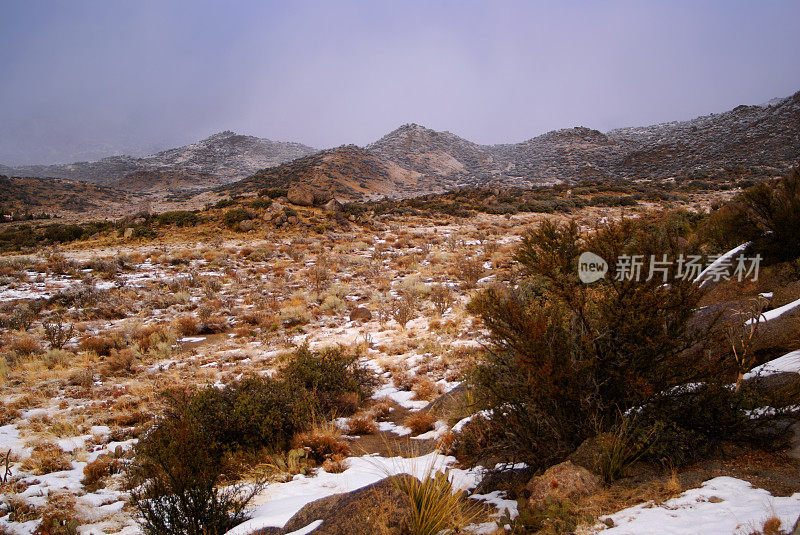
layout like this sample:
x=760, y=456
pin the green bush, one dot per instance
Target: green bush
x=334, y=375
x=233, y=217
x=179, y=218
x=177, y=474
x=568, y=359
x=254, y=413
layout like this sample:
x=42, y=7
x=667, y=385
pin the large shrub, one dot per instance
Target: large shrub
x=334, y=375
x=177, y=474
x=569, y=359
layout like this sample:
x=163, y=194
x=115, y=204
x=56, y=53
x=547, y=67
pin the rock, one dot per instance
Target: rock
x=300, y=196
x=246, y=225
x=360, y=314
x=377, y=508
x=588, y=453
x=128, y=233
x=332, y=206
x=561, y=481
x=322, y=197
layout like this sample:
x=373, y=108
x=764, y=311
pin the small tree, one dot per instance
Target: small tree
x=442, y=298
x=57, y=332
x=741, y=334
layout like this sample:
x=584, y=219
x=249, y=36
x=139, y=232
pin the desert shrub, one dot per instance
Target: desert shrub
x=260, y=203
x=121, y=362
x=25, y=345
x=442, y=298
x=17, y=509
x=403, y=309
x=7, y=414
x=272, y=193
x=254, y=413
x=361, y=424
x=101, y=345
x=56, y=357
x=335, y=464
x=567, y=357
x=176, y=476
x=334, y=375
x=469, y=271
x=187, y=325
x=774, y=209
x=57, y=333
x=46, y=458
x=179, y=218
x=235, y=216
x=96, y=471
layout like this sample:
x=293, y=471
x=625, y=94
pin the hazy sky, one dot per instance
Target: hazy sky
x=84, y=79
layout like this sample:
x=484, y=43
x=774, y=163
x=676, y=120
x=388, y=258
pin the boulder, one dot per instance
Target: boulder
x=377, y=508
x=360, y=314
x=562, y=481
x=246, y=225
x=300, y=196
x=332, y=206
x=322, y=197
x=589, y=453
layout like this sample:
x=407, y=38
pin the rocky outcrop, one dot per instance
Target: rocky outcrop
x=377, y=508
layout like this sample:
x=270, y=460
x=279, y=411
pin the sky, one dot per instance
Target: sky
x=82, y=79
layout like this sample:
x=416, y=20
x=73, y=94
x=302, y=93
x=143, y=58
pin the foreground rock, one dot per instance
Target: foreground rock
x=377, y=508
x=562, y=481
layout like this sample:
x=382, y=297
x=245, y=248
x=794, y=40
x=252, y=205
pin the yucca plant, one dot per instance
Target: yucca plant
x=435, y=505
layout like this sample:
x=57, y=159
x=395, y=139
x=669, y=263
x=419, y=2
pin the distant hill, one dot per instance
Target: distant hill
x=218, y=159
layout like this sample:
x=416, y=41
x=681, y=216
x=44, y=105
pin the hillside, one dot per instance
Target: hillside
x=41, y=195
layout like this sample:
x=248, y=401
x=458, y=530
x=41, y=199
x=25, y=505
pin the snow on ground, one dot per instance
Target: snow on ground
x=404, y=398
x=720, y=261
x=790, y=362
x=721, y=506
x=279, y=502
x=776, y=312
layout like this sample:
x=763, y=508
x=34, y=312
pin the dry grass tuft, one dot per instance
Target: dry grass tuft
x=47, y=458
x=323, y=441
x=419, y=422
x=361, y=424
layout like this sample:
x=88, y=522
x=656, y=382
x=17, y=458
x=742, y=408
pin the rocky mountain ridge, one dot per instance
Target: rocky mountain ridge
x=413, y=160
x=762, y=140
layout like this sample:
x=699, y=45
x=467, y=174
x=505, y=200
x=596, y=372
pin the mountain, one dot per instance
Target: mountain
x=413, y=160
x=219, y=159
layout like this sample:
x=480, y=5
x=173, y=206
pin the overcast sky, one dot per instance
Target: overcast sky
x=84, y=79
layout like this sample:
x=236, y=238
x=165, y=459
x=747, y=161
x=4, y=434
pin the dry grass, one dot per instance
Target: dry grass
x=419, y=422
x=362, y=424
x=322, y=441
x=47, y=458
